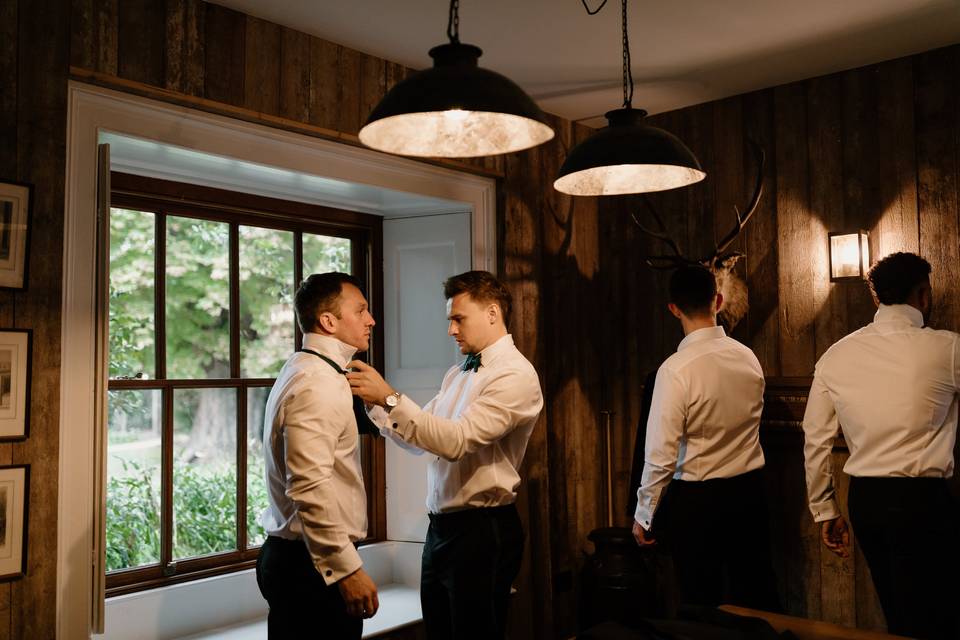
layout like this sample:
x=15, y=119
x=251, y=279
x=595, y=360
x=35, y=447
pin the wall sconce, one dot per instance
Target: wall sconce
x=849, y=256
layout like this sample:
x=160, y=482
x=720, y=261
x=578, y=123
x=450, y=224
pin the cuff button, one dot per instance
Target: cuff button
x=329, y=573
x=395, y=425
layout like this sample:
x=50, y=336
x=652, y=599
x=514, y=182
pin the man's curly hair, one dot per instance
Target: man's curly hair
x=893, y=278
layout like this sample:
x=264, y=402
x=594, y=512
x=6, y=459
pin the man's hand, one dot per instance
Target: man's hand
x=642, y=536
x=359, y=594
x=836, y=536
x=366, y=382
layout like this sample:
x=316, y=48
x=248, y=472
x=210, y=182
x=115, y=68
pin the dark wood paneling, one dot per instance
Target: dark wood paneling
x=295, y=75
x=224, y=54
x=261, y=80
x=40, y=152
x=185, y=33
x=141, y=38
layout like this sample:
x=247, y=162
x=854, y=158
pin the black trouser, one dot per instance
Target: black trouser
x=909, y=532
x=470, y=560
x=301, y=604
x=718, y=534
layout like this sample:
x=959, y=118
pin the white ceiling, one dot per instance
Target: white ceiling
x=684, y=51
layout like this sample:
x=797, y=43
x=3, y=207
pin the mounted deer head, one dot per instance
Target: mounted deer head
x=720, y=262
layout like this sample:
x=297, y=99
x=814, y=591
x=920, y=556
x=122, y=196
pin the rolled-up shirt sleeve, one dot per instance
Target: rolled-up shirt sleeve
x=665, y=430
x=310, y=440
x=508, y=400
x=820, y=427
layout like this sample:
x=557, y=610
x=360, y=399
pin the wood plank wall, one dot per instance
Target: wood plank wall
x=34, y=43
x=874, y=147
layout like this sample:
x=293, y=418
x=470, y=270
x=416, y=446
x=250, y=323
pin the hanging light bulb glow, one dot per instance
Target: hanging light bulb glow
x=456, y=109
x=628, y=155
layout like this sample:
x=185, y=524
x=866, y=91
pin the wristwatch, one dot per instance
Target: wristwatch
x=391, y=400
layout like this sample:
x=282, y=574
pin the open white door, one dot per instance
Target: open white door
x=419, y=254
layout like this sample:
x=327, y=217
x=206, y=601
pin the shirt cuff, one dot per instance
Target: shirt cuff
x=401, y=417
x=826, y=510
x=333, y=568
x=644, y=516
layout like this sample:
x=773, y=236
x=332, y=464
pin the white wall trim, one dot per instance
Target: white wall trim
x=92, y=110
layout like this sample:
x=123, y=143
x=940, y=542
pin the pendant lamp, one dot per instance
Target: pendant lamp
x=456, y=109
x=628, y=155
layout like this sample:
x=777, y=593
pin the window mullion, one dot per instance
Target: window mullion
x=166, y=480
x=242, y=467
x=297, y=279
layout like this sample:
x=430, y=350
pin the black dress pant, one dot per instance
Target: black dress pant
x=470, y=559
x=909, y=532
x=718, y=534
x=301, y=604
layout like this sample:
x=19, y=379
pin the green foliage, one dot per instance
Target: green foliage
x=132, y=330
x=205, y=507
x=133, y=519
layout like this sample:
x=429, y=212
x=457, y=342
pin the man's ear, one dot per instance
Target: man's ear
x=327, y=321
x=675, y=310
x=493, y=312
x=719, y=302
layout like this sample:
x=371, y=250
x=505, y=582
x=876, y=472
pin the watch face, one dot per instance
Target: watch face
x=391, y=400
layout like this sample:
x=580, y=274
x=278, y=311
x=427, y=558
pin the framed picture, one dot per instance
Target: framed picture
x=15, y=202
x=15, y=349
x=14, y=495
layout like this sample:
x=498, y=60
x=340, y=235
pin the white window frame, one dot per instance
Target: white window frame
x=92, y=110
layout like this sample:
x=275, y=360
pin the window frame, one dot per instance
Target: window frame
x=167, y=198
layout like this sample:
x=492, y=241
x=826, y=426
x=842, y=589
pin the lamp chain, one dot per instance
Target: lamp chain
x=453, y=23
x=627, y=76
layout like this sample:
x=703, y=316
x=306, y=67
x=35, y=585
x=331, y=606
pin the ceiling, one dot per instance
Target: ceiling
x=684, y=52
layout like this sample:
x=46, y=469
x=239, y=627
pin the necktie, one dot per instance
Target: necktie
x=365, y=425
x=472, y=362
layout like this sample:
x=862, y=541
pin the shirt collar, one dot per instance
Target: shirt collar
x=490, y=353
x=339, y=352
x=899, y=313
x=707, y=333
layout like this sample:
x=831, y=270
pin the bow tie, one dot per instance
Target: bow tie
x=472, y=362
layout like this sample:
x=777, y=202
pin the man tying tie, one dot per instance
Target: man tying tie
x=478, y=426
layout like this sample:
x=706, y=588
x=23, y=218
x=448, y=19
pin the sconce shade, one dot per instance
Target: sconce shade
x=456, y=109
x=849, y=256
x=628, y=156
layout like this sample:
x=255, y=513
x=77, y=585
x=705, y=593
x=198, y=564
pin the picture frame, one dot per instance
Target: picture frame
x=16, y=201
x=16, y=348
x=14, y=499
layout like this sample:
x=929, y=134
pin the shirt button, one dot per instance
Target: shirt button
x=395, y=425
x=329, y=573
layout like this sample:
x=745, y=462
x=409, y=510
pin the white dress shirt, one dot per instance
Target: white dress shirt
x=704, y=417
x=478, y=425
x=312, y=459
x=892, y=387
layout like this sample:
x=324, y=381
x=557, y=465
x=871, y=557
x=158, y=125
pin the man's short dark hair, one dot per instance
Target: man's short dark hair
x=483, y=287
x=320, y=293
x=896, y=276
x=693, y=289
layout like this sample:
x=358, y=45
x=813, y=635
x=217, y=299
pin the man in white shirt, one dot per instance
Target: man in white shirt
x=892, y=388
x=308, y=569
x=478, y=426
x=701, y=490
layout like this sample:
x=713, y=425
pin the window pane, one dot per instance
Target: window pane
x=204, y=471
x=132, y=330
x=133, y=478
x=325, y=253
x=198, y=299
x=266, y=301
x=256, y=481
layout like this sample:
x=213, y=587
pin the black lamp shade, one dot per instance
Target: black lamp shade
x=628, y=156
x=456, y=109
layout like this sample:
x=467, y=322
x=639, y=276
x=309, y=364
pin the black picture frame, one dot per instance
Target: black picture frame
x=16, y=213
x=16, y=367
x=14, y=520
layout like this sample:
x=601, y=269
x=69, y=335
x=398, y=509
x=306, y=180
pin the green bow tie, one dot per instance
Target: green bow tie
x=472, y=362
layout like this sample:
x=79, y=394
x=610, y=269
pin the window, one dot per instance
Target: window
x=200, y=321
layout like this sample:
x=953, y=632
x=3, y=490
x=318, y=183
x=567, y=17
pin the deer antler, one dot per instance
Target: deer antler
x=660, y=261
x=751, y=206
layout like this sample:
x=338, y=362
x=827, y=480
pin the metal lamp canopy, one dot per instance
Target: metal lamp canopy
x=628, y=155
x=455, y=109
